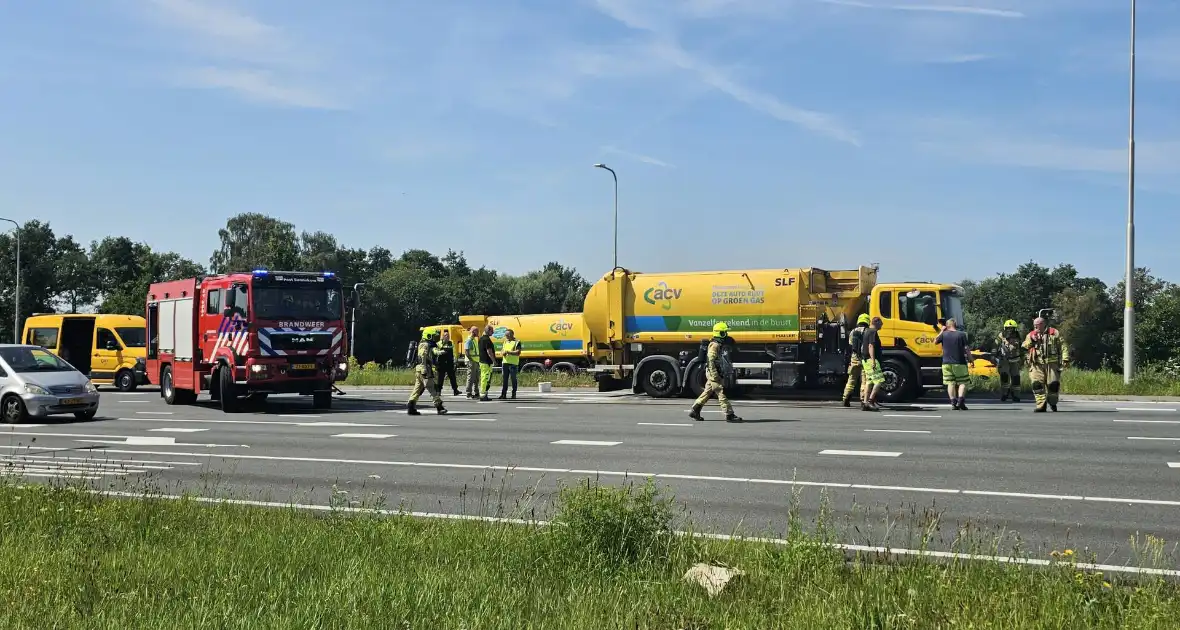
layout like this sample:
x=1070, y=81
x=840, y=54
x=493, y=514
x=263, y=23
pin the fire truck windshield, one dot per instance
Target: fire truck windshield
x=301, y=303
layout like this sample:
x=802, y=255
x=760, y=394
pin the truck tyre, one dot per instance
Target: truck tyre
x=321, y=400
x=532, y=367
x=229, y=398
x=167, y=389
x=696, y=380
x=658, y=379
x=125, y=381
x=899, y=381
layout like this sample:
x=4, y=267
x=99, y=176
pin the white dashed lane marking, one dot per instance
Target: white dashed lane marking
x=860, y=453
x=177, y=430
x=893, y=431
x=585, y=443
x=365, y=436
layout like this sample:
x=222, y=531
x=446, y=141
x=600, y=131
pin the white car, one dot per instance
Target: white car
x=36, y=383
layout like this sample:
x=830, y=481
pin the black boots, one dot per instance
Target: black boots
x=695, y=414
x=412, y=409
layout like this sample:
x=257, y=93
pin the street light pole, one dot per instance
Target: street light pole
x=616, y=178
x=356, y=305
x=1129, y=303
x=16, y=294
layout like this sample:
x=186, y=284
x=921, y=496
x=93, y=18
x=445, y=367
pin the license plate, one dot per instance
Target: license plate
x=72, y=401
x=303, y=366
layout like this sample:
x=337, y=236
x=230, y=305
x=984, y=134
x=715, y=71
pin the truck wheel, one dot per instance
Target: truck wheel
x=321, y=400
x=899, y=381
x=167, y=389
x=532, y=367
x=125, y=381
x=658, y=379
x=696, y=381
x=229, y=399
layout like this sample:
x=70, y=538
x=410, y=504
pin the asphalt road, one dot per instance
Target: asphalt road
x=1089, y=477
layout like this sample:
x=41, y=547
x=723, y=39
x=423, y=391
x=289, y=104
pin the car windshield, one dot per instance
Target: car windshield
x=33, y=360
x=297, y=303
x=133, y=337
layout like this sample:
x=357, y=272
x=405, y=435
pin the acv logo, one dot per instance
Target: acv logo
x=560, y=326
x=663, y=295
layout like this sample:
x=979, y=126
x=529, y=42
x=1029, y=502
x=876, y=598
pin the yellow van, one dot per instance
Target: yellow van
x=110, y=349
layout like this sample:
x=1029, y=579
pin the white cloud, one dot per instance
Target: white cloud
x=259, y=86
x=929, y=8
x=665, y=47
x=258, y=61
x=638, y=157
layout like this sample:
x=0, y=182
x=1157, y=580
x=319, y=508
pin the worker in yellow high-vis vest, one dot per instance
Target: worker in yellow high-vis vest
x=510, y=366
x=471, y=351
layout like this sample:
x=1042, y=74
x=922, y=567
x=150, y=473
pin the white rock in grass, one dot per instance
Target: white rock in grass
x=713, y=578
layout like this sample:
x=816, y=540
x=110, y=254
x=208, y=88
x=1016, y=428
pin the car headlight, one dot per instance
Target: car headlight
x=36, y=390
x=90, y=388
x=343, y=367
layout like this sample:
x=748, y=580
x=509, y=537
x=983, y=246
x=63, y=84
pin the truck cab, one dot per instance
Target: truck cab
x=912, y=314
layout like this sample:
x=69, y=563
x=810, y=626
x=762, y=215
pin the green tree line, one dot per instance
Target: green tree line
x=417, y=288
x=401, y=293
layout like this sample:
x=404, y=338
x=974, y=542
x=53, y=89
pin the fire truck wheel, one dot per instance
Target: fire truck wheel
x=229, y=398
x=321, y=400
x=167, y=390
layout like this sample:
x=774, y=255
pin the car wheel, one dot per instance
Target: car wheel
x=658, y=379
x=13, y=410
x=84, y=416
x=125, y=381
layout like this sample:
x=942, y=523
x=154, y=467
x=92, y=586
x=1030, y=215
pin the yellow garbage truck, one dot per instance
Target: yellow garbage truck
x=789, y=327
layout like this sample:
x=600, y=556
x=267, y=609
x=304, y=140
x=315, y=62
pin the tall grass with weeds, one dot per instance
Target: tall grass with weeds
x=1149, y=381
x=72, y=559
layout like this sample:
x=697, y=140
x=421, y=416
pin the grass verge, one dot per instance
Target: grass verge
x=1097, y=383
x=76, y=560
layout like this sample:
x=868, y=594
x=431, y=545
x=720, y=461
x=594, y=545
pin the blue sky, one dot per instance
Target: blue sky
x=940, y=139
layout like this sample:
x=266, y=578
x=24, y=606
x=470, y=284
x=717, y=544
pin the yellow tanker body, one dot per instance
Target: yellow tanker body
x=560, y=338
x=788, y=327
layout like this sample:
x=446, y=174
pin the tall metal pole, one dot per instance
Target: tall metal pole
x=16, y=295
x=1129, y=305
x=356, y=305
x=616, y=178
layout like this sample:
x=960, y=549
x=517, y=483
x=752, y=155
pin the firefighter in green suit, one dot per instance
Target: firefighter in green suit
x=717, y=367
x=855, y=365
x=424, y=374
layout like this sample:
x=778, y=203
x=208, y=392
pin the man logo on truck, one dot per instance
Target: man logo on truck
x=663, y=295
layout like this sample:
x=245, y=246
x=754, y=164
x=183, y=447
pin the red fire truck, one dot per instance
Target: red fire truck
x=246, y=336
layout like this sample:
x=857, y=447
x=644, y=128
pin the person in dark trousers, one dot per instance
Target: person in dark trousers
x=445, y=360
x=871, y=354
x=955, y=358
x=487, y=359
x=510, y=365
